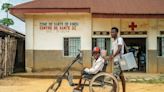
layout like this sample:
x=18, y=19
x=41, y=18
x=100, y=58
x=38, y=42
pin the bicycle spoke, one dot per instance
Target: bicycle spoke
x=103, y=82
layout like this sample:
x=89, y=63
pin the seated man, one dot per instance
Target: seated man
x=97, y=66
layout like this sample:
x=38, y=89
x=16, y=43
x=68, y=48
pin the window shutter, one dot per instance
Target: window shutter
x=159, y=46
x=66, y=47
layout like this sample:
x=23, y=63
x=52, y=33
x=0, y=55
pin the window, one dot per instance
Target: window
x=102, y=43
x=160, y=45
x=71, y=46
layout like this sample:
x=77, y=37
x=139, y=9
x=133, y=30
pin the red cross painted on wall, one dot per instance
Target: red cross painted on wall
x=132, y=26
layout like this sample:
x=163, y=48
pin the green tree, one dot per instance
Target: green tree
x=6, y=21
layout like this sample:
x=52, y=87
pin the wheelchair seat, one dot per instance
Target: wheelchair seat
x=105, y=66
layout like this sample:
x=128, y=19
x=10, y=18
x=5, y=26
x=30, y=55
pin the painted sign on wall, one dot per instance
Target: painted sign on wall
x=59, y=26
x=134, y=25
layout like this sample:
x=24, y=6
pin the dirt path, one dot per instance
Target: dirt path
x=17, y=84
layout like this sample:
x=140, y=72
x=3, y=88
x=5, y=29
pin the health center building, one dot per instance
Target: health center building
x=56, y=29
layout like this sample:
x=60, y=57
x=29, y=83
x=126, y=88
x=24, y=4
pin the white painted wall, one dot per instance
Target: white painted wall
x=101, y=24
x=53, y=40
x=152, y=34
x=149, y=25
x=29, y=32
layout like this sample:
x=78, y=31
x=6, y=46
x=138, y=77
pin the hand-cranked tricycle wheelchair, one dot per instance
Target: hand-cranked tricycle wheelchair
x=101, y=82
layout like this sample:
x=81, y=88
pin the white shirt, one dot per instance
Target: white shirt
x=96, y=67
x=115, y=43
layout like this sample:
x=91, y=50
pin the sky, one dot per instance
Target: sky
x=18, y=24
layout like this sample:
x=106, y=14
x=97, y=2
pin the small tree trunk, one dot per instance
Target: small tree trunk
x=7, y=17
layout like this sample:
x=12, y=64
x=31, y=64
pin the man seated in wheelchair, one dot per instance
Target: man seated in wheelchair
x=97, y=66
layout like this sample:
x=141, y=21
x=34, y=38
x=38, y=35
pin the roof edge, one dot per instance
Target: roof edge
x=10, y=30
x=118, y=15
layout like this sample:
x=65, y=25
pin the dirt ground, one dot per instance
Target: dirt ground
x=18, y=84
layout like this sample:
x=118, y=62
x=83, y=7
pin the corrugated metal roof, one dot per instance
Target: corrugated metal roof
x=11, y=31
x=128, y=6
x=101, y=6
x=55, y=4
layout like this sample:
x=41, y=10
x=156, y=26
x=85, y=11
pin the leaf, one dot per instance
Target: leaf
x=6, y=7
x=7, y=21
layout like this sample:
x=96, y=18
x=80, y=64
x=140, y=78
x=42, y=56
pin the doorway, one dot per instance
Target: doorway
x=19, y=65
x=138, y=47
